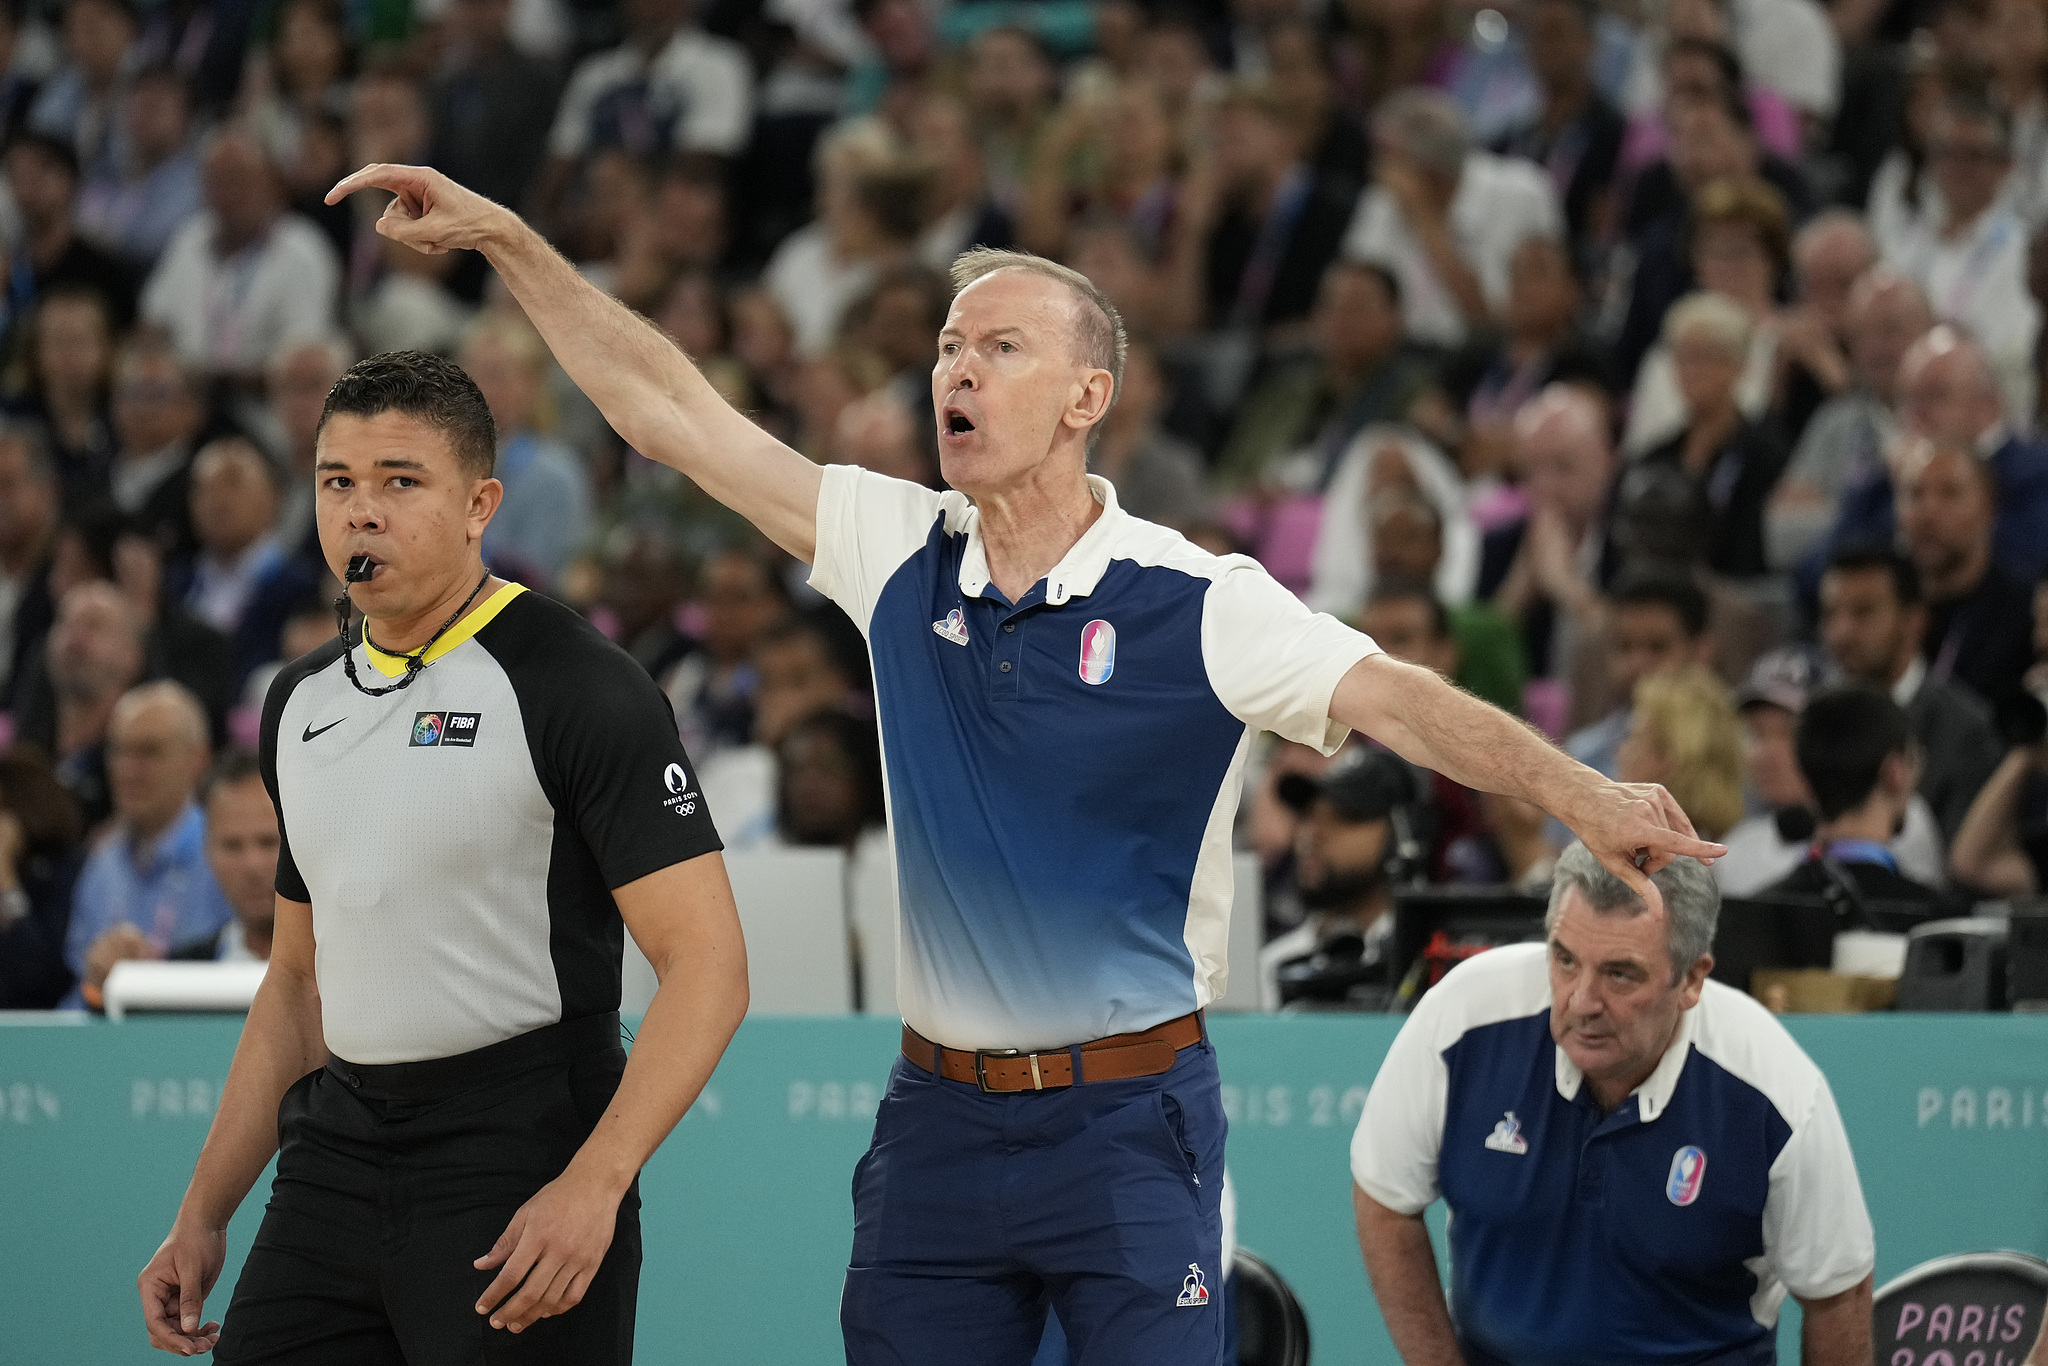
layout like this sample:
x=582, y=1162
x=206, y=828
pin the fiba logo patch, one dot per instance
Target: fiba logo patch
x=1688, y=1169
x=1098, y=652
x=1193, y=1292
x=682, y=798
x=444, y=729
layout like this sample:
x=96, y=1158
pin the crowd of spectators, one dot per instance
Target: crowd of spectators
x=1650, y=369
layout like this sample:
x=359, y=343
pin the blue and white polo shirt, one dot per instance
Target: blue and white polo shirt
x=1063, y=771
x=1667, y=1231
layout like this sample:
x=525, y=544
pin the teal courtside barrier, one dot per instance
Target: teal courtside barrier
x=747, y=1214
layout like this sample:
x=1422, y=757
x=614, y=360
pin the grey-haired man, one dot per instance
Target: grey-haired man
x=1640, y=1163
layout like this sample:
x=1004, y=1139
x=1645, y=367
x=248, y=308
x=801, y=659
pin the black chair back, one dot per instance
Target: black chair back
x=1272, y=1330
x=1979, y=1306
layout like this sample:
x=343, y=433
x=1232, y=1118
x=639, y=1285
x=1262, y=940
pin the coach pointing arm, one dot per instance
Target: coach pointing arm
x=655, y=398
x=647, y=389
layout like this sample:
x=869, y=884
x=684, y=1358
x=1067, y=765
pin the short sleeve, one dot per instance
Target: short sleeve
x=1273, y=663
x=1817, y=1234
x=289, y=884
x=868, y=525
x=615, y=767
x=1394, y=1150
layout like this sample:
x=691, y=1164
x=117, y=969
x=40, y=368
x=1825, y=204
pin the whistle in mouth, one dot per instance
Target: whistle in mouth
x=360, y=568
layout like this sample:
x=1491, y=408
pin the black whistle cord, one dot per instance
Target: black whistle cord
x=414, y=662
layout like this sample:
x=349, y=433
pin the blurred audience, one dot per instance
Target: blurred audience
x=241, y=581
x=1446, y=218
x=1873, y=622
x=545, y=516
x=1856, y=753
x=245, y=278
x=41, y=850
x=1683, y=733
x=1400, y=280
x=828, y=781
x=146, y=887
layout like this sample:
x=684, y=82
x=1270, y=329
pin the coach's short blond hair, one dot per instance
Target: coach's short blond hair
x=1099, y=328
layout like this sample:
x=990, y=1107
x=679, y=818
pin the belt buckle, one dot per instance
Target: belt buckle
x=981, y=1070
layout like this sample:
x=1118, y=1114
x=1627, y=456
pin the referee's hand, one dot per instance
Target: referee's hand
x=174, y=1287
x=548, y=1253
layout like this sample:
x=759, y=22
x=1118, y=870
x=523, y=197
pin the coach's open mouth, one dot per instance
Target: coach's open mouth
x=958, y=423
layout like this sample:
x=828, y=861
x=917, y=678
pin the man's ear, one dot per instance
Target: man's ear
x=1088, y=402
x=1695, y=981
x=484, y=501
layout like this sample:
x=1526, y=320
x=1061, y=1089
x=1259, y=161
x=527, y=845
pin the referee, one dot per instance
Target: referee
x=473, y=793
x=1067, y=697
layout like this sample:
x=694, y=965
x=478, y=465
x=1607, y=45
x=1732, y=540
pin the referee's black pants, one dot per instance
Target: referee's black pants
x=392, y=1180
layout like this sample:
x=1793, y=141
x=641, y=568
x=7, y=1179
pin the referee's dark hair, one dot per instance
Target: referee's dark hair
x=235, y=766
x=1842, y=740
x=431, y=388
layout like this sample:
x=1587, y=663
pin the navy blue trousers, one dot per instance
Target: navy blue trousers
x=975, y=1214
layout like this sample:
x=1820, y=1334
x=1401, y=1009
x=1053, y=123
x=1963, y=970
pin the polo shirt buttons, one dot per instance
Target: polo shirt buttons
x=1005, y=666
x=355, y=1081
x=1010, y=627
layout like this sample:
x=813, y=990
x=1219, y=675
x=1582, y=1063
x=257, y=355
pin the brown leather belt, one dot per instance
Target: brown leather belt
x=1116, y=1058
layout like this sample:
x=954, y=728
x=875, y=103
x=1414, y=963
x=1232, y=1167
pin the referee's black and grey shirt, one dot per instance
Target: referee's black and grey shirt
x=459, y=839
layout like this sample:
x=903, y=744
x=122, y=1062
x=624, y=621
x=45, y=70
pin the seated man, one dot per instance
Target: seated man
x=241, y=851
x=1873, y=618
x=1855, y=751
x=1655, y=622
x=147, y=881
x=1769, y=703
x=1639, y=1163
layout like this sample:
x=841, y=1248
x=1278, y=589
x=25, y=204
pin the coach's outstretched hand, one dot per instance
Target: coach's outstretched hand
x=1635, y=829
x=430, y=213
x=174, y=1288
x=550, y=1250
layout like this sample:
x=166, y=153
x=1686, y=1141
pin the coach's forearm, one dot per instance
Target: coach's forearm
x=1438, y=725
x=1836, y=1331
x=652, y=394
x=640, y=379
x=1401, y=1264
x=281, y=1042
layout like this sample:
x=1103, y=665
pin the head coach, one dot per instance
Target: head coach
x=1639, y=1162
x=1067, y=697
x=477, y=795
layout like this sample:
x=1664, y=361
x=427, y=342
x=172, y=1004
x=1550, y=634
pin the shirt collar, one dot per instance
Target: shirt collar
x=1655, y=1093
x=1078, y=571
x=391, y=666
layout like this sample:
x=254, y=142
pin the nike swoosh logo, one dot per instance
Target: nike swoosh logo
x=312, y=734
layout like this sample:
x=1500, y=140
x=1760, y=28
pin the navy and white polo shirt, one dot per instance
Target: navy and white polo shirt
x=1062, y=772
x=1667, y=1231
